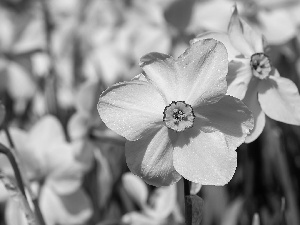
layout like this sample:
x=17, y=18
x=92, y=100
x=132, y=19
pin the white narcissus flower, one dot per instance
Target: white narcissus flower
x=252, y=79
x=177, y=119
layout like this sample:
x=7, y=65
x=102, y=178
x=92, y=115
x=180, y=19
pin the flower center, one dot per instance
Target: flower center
x=260, y=65
x=179, y=116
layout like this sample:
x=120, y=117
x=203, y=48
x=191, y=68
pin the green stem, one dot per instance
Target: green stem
x=193, y=206
x=15, y=167
x=27, y=183
x=186, y=184
x=51, y=80
x=16, y=195
x=10, y=141
x=187, y=203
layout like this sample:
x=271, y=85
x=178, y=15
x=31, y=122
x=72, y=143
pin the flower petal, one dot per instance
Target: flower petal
x=19, y=137
x=31, y=162
x=210, y=15
x=280, y=100
x=231, y=117
x=195, y=188
x=238, y=77
x=140, y=77
x=237, y=36
x=251, y=101
x=204, y=157
x=74, y=208
x=253, y=37
x=14, y=214
x=136, y=218
x=162, y=202
x=136, y=189
x=47, y=130
x=78, y=126
x=222, y=37
x=131, y=109
x=21, y=85
x=203, y=68
x=277, y=25
x=4, y=195
x=151, y=158
x=149, y=37
x=161, y=72
x=65, y=169
x=85, y=97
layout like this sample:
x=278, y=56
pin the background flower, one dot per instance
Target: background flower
x=161, y=208
x=252, y=79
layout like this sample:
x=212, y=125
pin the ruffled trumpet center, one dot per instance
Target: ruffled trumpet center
x=179, y=116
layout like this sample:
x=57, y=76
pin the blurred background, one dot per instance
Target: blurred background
x=57, y=56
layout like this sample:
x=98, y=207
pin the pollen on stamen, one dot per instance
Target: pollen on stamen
x=260, y=65
x=178, y=116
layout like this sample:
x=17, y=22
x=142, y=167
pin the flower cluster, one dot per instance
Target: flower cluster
x=252, y=78
x=176, y=116
x=181, y=117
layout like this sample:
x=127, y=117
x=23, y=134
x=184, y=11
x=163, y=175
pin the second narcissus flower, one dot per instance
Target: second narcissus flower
x=252, y=79
x=177, y=119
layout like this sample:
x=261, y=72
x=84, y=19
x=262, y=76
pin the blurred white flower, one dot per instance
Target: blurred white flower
x=277, y=20
x=156, y=209
x=58, y=166
x=16, y=34
x=211, y=15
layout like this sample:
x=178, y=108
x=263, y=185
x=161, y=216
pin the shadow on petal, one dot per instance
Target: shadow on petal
x=280, y=100
x=229, y=116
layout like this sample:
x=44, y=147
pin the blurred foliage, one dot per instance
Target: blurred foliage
x=56, y=57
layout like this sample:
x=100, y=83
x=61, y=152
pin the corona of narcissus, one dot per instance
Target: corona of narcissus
x=177, y=118
x=252, y=79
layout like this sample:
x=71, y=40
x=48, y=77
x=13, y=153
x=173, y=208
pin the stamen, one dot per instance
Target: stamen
x=260, y=65
x=178, y=116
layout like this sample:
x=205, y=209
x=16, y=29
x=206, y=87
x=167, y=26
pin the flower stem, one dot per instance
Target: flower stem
x=51, y=80
x=10, y=141
x=186, y=184
x=17, y=196
x=187, y=204
x=15, y=167
x=33, y=197
x=193, y=206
